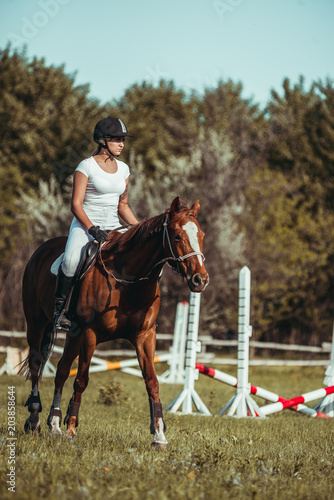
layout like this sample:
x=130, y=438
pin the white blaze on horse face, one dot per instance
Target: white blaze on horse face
x=191, y=230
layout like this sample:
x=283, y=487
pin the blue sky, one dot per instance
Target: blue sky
x=112, y=45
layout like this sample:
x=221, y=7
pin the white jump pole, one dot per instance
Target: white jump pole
x=326, y=405
x=176, y=372
x=100, y=365
x=188, y=395
x=242, y=404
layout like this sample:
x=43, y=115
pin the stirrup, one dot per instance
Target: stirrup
x=62, y=323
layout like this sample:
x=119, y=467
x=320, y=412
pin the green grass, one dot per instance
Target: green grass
x=286, y=455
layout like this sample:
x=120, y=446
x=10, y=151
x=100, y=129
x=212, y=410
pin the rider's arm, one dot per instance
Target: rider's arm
x=123, y=208
x=78, y=194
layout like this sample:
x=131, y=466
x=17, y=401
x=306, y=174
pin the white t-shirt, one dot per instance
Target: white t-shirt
x=103, y=191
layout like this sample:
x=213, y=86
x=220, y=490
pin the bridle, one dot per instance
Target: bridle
x=175, y=258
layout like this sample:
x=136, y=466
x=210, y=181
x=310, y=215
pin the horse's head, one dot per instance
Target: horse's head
x=183, y=241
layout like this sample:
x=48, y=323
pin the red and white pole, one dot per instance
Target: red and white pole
x=304, y=398
x=257, y=391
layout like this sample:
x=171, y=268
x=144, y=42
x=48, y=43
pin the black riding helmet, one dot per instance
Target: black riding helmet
x=110, y=127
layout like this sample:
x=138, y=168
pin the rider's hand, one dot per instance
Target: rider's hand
x=98, y=234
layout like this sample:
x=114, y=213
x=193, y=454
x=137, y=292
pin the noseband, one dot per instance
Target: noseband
x=177, y=259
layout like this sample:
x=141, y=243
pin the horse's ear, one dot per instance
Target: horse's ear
x=195, y=208
x=176, y=205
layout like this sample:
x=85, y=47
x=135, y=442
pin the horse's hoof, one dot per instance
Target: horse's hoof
x=27, y=426
x=70, y=434
x=55, y=431
x=159, y=446
x=54, y=422
x=33, y=427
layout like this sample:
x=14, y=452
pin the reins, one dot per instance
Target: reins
x=177, y=259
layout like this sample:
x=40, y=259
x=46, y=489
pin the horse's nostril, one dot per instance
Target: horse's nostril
x=197, y=279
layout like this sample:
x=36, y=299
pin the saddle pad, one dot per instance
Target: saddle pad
x=55, y=266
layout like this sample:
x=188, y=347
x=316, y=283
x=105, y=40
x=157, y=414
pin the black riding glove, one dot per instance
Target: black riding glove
x=98, y=234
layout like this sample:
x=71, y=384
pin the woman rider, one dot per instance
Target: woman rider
x=100, y=194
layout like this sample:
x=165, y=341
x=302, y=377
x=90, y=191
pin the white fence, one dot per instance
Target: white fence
x=207, y=340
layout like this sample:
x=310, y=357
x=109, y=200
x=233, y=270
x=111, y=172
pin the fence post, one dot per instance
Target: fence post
x=242, y=403
x=326, y=405
x=176, y=373
x=188, y=395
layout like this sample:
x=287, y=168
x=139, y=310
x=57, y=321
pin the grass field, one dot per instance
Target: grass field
x=285, y=456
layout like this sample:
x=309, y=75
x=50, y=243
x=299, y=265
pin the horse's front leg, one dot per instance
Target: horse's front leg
x=87, y=348
x=145, y=347
x=71, y=351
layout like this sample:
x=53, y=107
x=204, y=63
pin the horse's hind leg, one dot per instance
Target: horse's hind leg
x=71, y=351
x=34, y=407
x=35, y=363
x=87, y=348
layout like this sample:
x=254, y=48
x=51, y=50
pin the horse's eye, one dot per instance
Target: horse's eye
x=178, y=237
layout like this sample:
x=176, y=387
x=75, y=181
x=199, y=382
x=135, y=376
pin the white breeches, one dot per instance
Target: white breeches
x=77, y=239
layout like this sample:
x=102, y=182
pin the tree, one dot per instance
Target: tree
x=289, y=222
x=229, y=151
x=319, y=127
x=161, y=119
x=264, y=181
x=44, y=121
x=44, y=212
x=195, y=147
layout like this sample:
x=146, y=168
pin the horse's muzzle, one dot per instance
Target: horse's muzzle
x=198, y=282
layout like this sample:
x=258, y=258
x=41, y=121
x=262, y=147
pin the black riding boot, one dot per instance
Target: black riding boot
x=63, y=288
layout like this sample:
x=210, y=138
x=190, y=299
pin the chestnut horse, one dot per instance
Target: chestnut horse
x=117, y=299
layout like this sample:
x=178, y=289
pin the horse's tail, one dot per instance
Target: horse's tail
x=24, y=368
x=36, y=360
x=48, y=341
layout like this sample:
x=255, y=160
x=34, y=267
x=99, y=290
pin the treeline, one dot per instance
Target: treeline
x=264, y=179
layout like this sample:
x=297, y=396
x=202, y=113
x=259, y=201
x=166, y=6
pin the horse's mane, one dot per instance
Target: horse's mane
x=121, y=242
x=118, y=243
